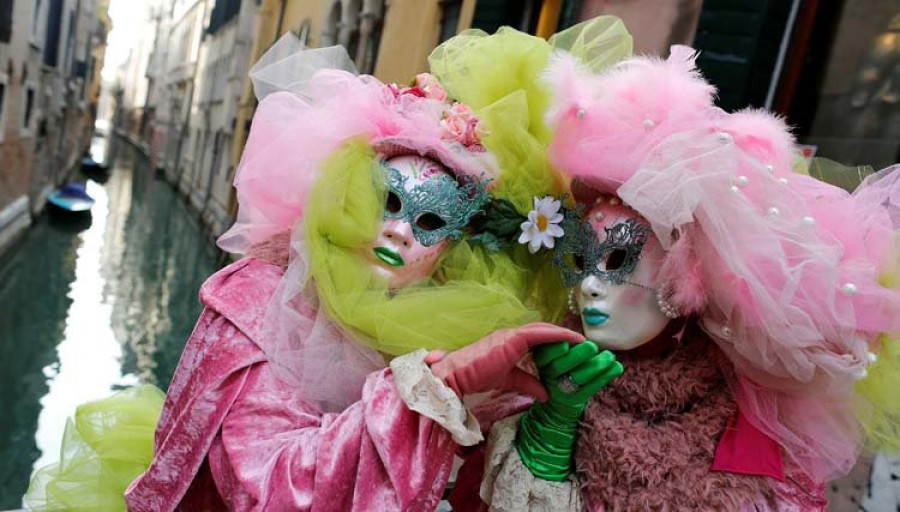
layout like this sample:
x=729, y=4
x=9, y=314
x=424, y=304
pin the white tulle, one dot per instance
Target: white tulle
x=289, y=66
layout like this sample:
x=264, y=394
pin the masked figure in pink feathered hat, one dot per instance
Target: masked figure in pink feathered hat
x=747, y=303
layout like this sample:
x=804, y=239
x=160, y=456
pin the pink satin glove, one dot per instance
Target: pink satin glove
x=490, y=363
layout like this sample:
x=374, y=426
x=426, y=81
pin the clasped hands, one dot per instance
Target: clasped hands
x=571, y=370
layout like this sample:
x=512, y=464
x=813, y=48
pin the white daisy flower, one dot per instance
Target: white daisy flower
x=542, y=226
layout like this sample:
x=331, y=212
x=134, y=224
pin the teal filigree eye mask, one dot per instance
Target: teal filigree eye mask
x=437, y=209
x=581, y=254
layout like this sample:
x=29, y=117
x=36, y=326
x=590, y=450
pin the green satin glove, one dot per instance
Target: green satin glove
x=572, y=375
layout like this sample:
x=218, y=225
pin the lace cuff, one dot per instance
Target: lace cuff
x=509, y=486
x=425, y=394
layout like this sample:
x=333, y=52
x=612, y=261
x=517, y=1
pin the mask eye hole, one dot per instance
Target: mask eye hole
x=615, y=259
x=393, y=203
x=430, y=222
x=578, y=262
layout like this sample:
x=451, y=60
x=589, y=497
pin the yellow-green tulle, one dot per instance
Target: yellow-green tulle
x=480, y=69
x=847, y=177
x=499, y=76
x=108, y=444
x=471, y=294
x=879, y=411
x=879, y=406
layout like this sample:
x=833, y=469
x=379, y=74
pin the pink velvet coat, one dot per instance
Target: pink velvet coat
x=231, y=430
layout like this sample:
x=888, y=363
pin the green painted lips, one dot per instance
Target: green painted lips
x=388, y=256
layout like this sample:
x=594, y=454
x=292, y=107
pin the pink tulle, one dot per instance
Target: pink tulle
x=782, y=269
x=308, y=349
x=634, y=105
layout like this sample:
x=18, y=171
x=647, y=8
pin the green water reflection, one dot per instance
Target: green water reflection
x=86, y=308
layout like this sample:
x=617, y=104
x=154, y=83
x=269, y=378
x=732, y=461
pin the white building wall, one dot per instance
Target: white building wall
x=21, y=58
x=221, y=70
x=132, y=74
x=188, y=21
x=158, y=104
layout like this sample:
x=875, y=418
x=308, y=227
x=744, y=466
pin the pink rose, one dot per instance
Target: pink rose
x=472, y=135
x=425, y=85
x=429, y=84
x=415, y=91
x=454, y=128
x=460, y=124
x=395, y=91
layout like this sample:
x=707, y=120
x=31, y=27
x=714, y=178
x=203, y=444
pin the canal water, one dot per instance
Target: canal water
x=90, y=306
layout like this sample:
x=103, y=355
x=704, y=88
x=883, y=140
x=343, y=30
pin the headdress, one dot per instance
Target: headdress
x=309, y=109
x=785, y=273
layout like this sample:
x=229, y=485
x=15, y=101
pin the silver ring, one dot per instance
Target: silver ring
x=567, y=384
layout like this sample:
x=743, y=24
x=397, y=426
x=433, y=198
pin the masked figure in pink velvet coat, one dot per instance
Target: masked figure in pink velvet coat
x=745, y=302
x=283, y=400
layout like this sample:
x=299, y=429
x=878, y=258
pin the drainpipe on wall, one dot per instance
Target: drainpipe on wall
x=366, y=27
x=198, y=165
x=213, y=170
x=280, y=20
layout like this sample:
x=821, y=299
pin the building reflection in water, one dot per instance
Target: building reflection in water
x=34, y=281
x=89, y=355
x=85, y=313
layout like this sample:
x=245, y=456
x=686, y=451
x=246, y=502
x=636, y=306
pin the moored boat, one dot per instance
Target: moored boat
x=72, y=198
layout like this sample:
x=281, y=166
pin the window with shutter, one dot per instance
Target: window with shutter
x=29, y=110
x=6, y=20
x=223, y=12
x=54, y=25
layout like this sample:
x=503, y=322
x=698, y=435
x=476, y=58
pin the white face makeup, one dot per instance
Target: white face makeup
x=621, y=316
x=396, y=254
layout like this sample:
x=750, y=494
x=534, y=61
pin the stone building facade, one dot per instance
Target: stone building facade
x=20, y=64
x=186, y=97
x=180, y=102
x=48, y=61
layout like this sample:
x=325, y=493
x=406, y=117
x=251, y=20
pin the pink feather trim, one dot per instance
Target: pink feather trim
x=681, y=273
